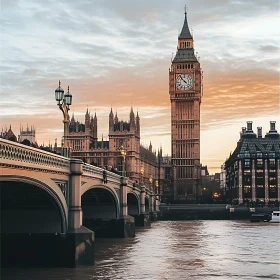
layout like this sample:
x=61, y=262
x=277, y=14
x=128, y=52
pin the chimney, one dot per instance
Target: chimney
x=259, y=132
x=249, y=126
x=243, y=130
x=272, y=126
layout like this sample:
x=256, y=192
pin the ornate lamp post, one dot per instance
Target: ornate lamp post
x=156, y=186
x=142, y=174
x=123, y=154
x=63, y=102
x=151, y=182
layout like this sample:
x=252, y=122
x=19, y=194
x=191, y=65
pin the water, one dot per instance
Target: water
x=175, y=250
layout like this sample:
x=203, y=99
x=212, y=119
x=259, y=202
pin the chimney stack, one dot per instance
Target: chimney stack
x=259, y=132
x=249, y=126
x=272, y=126
x=243, y=129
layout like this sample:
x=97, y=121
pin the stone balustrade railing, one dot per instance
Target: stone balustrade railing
x=21, y=155
x=12, y=153
x=97, y=172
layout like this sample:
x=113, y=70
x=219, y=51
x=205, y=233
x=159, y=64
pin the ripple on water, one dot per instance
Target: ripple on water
x=175, y=250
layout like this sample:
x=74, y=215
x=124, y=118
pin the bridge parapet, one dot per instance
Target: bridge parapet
x=16, y=154
x=97, y=172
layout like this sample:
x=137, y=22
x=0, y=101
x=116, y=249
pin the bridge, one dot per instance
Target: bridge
x=53, y=207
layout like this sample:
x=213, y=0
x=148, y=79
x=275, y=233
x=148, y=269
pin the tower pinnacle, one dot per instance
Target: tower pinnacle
x=185, y=33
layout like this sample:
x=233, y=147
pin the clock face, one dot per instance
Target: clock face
x=184, y=82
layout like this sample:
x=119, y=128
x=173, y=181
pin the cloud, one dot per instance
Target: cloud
x=117, y=53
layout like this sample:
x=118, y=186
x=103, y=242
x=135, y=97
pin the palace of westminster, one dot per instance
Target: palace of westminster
x=251, y=172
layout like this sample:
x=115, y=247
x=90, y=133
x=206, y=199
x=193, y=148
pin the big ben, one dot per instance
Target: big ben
x=185, y=90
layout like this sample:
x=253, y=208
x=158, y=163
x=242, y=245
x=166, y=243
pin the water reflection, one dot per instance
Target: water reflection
x=180, y=250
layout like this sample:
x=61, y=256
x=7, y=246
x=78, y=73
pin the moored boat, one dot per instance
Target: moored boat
x=275, y=217
x=260, y=217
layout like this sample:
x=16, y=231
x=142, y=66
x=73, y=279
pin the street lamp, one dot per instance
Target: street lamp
x=142, y=174
x=123, y=154
x=63, y=102
x=151, y=182
x=157, y=186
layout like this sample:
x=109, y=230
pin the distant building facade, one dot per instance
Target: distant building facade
x=253, y=169
x=27, y=135
x=84, y=143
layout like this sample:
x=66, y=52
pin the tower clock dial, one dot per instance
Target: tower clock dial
x=184, y=82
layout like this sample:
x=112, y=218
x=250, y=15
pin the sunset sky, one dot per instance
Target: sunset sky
x=116, y=53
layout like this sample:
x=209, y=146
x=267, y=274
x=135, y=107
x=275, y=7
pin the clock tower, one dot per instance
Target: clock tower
x=185, y=90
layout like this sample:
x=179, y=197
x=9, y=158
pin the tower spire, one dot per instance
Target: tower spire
x=185, y=33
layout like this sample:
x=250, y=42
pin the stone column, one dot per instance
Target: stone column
x=123, y=197
x=266, y=193
x=78, y=247
x=253, y=181
x=278, y=179
x=240, y=183
x=75, y=209
x=142, y=200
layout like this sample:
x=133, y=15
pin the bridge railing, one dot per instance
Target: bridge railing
x=97, y=172
x=12, y=153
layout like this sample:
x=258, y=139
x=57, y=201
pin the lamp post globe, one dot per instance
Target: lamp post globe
x=68, y=98
x=59, y=93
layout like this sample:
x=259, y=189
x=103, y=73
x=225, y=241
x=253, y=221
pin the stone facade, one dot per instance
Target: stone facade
x=253, y=169
x=84, y=143
x=185, y=90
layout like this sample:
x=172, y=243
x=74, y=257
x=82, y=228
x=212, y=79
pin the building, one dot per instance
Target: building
x=84, y=143
x=223, y=180
x=27, y=136
x=253, y=169
x=8, y=134
x=185, y=90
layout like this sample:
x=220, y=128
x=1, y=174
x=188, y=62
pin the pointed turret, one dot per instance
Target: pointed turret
x=87, y=119
x=138, y=124
x=150, y=147
x=116, y=118
x=111, y=120
x=132, y=119
x=185, y=33
x=185, y=48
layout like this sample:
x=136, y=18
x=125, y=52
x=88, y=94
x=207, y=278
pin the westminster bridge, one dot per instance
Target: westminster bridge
x=52, y=207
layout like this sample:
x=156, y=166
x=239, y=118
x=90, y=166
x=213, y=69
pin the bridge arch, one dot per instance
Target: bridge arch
x=133, y=205
x=31, y=206
x=99, y=202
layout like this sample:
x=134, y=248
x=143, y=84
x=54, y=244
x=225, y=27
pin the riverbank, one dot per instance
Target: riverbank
x=175, y=212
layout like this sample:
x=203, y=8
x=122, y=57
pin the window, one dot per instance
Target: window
x=247, y=154
x=247, y=163
x=259, y=154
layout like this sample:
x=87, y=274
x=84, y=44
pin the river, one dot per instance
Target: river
x=175, y=250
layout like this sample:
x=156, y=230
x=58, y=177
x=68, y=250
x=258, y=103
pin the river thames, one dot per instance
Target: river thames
x=174, y=250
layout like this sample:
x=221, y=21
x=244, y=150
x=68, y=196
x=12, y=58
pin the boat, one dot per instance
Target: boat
x=260, y=217
x=275, y=217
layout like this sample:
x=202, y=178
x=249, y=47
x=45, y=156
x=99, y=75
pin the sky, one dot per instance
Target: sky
x=116, y=53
